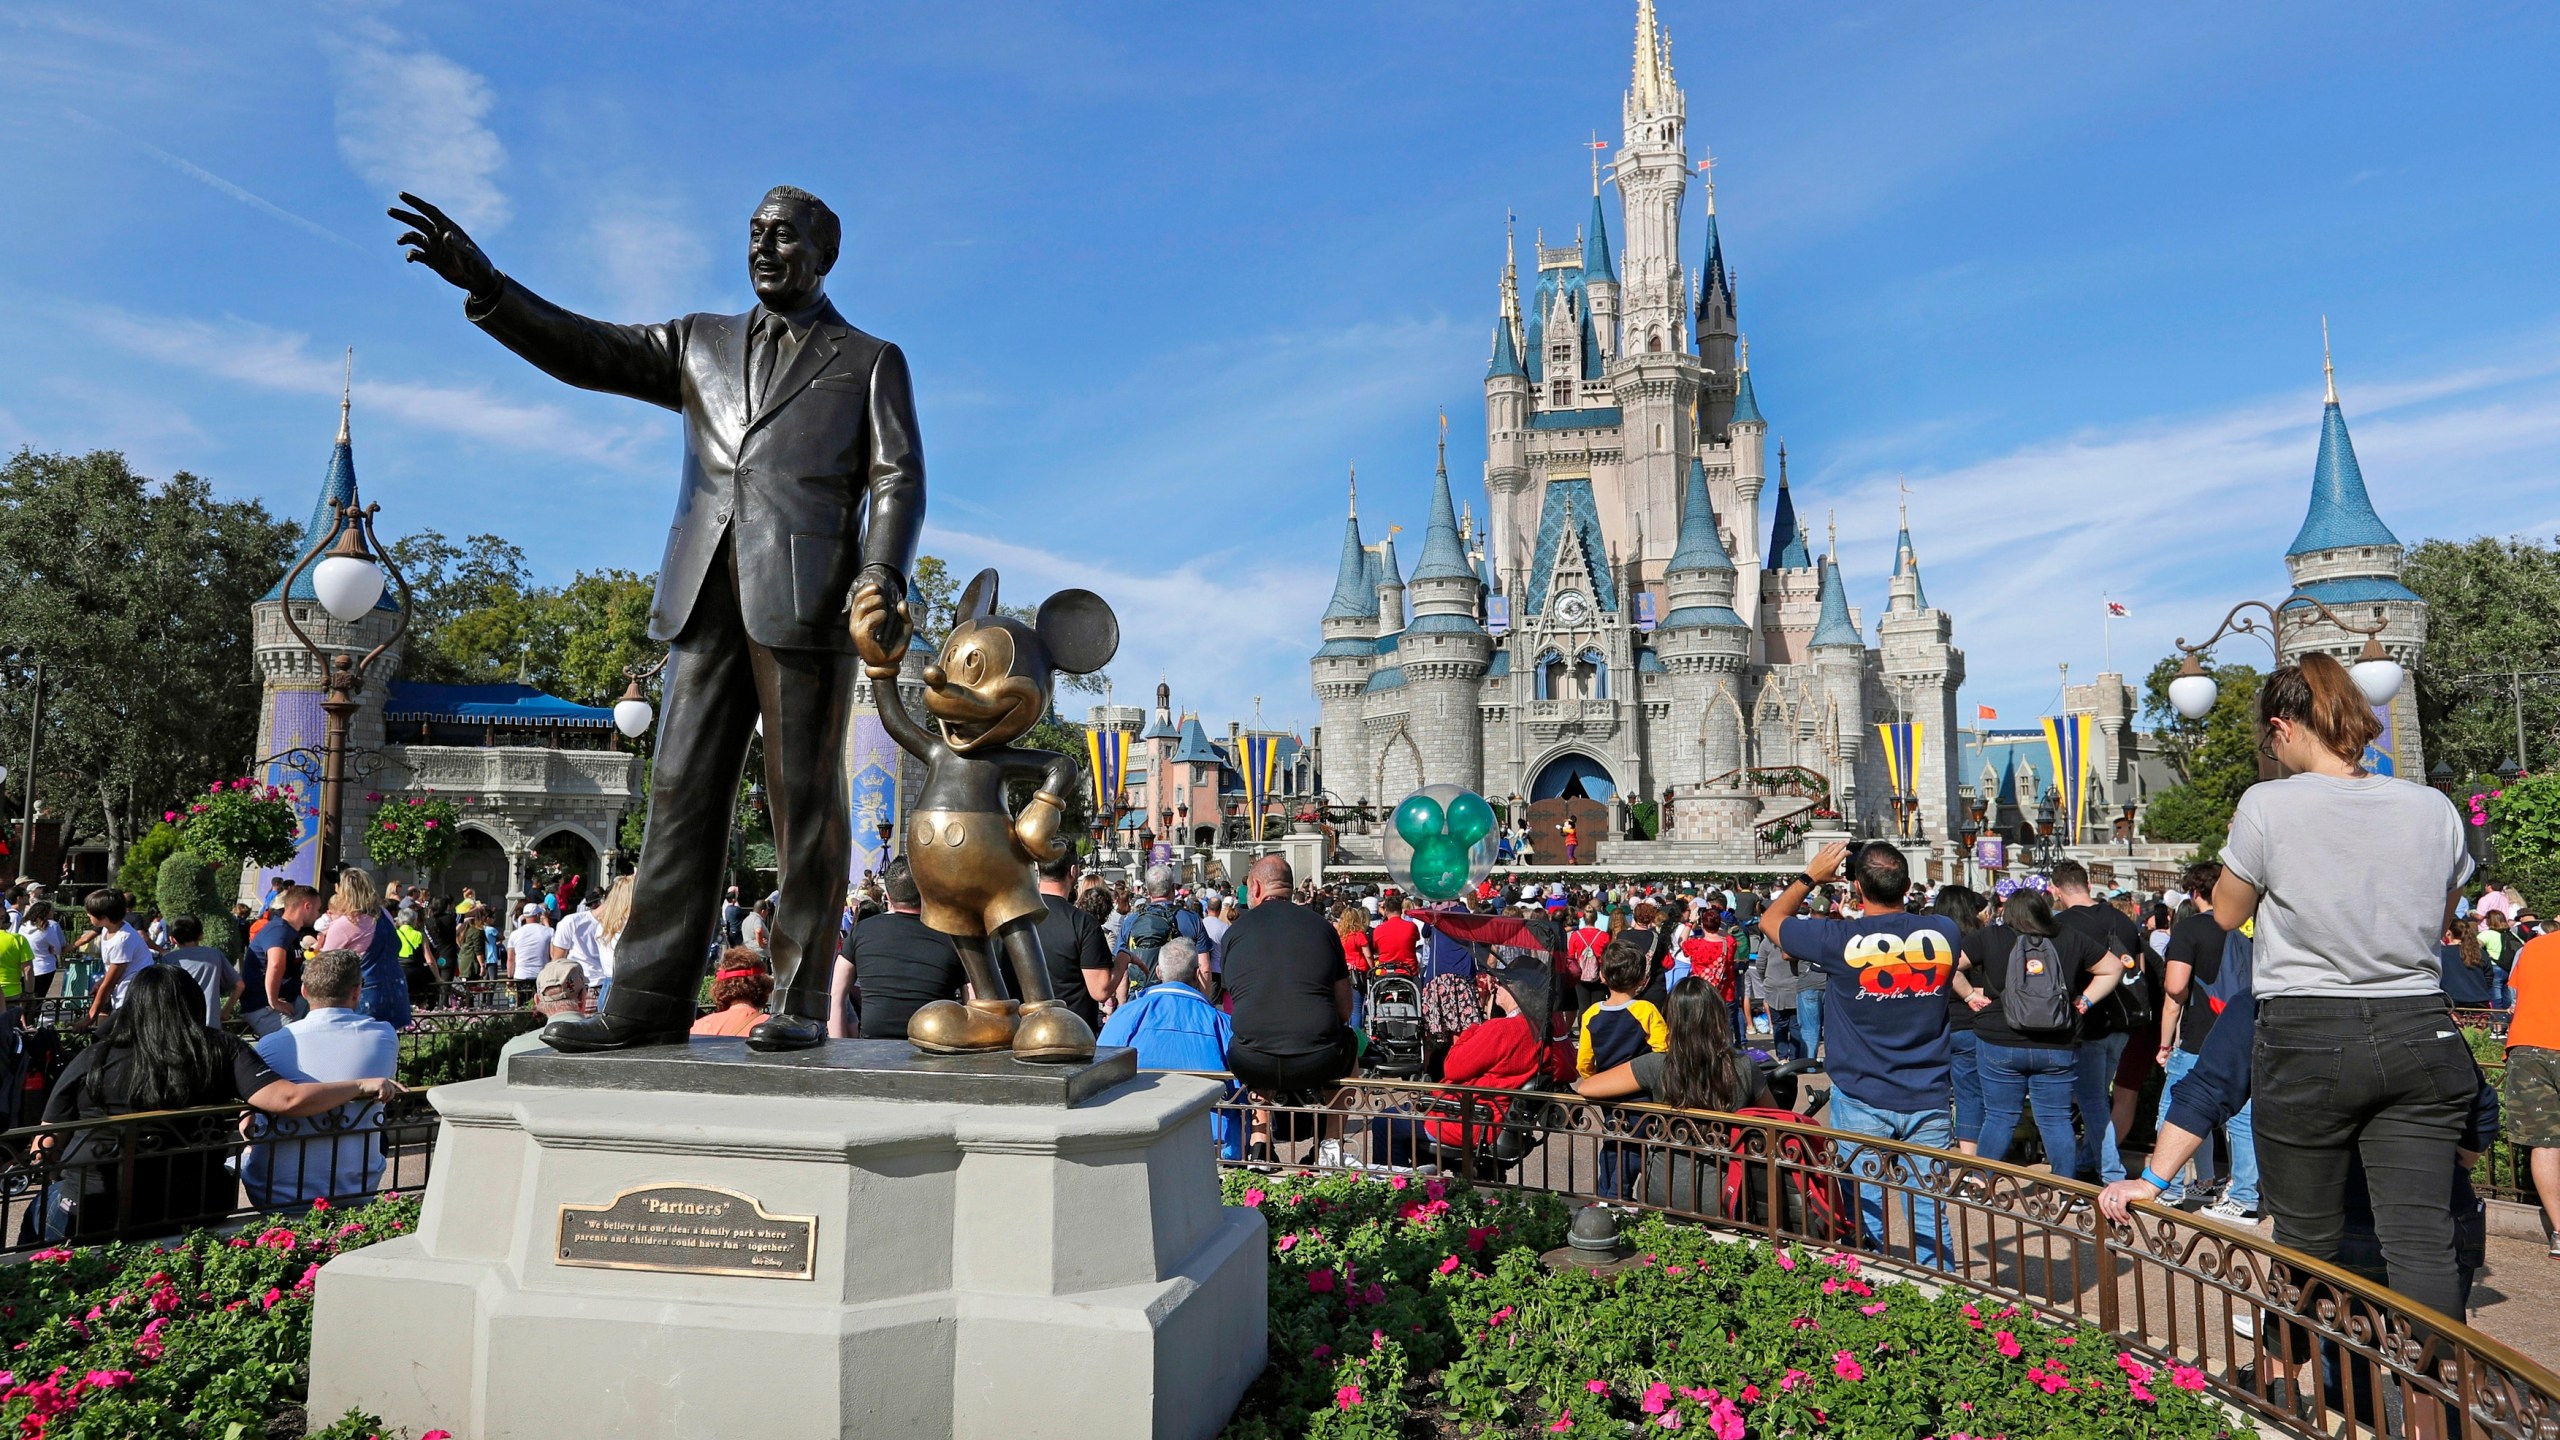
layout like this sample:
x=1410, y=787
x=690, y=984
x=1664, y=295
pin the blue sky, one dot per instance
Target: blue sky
x=1163, y=270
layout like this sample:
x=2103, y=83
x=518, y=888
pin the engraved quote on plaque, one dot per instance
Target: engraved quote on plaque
x=689, y=1229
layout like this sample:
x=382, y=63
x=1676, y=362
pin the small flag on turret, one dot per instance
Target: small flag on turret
x=1985, y=712
x=2116, y=610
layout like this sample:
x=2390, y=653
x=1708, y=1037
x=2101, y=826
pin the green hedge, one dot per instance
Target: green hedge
x=206, y=1335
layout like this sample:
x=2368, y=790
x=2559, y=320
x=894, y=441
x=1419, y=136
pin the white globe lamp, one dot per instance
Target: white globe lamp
x=631, y=714
x=2193, y=692
x=2376, y=674
x=348, y=586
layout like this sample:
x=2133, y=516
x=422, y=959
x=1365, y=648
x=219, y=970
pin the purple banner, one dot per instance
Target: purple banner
x=871, y=762
x=296, y=722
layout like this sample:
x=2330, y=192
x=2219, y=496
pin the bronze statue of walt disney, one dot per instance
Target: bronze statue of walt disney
x=972, y=858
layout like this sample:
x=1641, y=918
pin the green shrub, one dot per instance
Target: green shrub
x=189, y=885
x=204, y=1335
x=1392, y=1302
x=140, y=872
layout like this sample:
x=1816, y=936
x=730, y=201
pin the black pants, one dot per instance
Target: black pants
x=2387, y=1081
x=1278, y=1075
x=717, y=684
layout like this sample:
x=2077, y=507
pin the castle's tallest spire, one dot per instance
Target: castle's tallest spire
x=1653, y=61
x=346, y=395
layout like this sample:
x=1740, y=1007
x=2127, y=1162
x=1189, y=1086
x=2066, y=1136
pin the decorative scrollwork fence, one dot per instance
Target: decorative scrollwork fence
x=2301, y=1347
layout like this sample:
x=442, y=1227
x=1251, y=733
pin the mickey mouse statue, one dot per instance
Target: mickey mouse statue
x=972, y=859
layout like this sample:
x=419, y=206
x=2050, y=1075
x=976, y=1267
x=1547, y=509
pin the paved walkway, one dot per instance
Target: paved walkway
x=2517, y=1299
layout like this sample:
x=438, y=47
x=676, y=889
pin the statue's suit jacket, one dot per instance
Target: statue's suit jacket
x=822, y=483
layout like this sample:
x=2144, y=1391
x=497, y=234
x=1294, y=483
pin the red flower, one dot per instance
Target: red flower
x=1346, y=1397
x=1321, y=1282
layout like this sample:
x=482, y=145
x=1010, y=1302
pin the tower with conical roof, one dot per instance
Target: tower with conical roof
x=1444, y=648
x=2346, y=558
x=291, y=724
x=1838, y=654
x=1921, y=670
x=1342, y=664
x=1705, y=647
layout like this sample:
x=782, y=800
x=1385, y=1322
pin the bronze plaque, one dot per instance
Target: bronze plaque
x=690, y=1229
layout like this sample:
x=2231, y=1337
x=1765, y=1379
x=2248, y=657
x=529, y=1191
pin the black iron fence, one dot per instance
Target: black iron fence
x=2302, y=1347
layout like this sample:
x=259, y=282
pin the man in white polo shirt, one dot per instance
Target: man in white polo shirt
x=530, y=946
x=580, y=937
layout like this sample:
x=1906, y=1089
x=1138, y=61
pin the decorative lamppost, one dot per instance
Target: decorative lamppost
x=2374, y=672
x=2048, y=810
x=2128, y=828
x=348, y=580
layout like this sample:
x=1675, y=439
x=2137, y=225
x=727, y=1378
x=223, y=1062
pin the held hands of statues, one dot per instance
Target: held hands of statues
x=880, y=629
x=1036, y=828
x=436, y=242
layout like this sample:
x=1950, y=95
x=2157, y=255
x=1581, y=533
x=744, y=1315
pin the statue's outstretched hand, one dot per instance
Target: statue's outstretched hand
x=880, y=627
x=436, y=242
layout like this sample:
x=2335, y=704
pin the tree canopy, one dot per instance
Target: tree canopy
x=2216, y=758
x=2493, y=609
x=134, y=595
x=478, y=618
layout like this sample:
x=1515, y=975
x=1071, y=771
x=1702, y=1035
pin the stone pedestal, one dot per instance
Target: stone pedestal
x=703, y=1242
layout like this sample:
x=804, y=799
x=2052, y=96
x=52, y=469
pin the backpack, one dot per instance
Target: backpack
x=1147, y=932
x=2033, y=995
x=2233, y=980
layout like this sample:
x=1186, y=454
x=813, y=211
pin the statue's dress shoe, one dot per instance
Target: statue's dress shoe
x=947, y=1027
x=787, y=1032
x=586, y=1034
x=1051, y=1034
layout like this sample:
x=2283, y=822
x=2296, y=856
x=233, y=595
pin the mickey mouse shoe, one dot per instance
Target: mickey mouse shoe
x=1051, y=1034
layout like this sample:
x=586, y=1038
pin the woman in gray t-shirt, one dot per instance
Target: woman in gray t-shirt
x=2350, y=877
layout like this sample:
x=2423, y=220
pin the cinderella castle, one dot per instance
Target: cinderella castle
x=1636, y=618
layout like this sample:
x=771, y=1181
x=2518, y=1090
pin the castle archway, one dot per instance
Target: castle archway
x=1572, y=775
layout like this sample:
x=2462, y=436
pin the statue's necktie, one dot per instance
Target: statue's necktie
x=768, y=357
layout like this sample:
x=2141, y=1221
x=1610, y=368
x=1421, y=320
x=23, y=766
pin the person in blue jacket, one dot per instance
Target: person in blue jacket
x=1173, y=1026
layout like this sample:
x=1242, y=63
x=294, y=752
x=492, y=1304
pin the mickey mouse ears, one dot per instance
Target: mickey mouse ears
x=1078, y=630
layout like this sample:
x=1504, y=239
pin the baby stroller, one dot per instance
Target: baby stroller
x=1395, y=1028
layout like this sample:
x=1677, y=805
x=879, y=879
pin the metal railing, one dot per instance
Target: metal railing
x=139, y=1177
x=2304, y=1347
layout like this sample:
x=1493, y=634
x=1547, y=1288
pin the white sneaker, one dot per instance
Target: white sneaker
x=2230, y=1211
x=2244, y=1323
x=1329, y=1155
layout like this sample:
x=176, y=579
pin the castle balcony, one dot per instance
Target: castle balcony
x=1551, y=720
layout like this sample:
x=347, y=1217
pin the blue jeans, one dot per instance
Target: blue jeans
x=1783, y=1041
x=2094, y=1089
x=2235, y=1132
x=1917, y=1127
x=2013, y=1076
x=1965, y=1074
x=1809, y=1023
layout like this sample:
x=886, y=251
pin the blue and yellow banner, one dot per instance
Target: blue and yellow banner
x=1902, y=765
x=2066, y=740
x=1109, y=752
x=1261, y=765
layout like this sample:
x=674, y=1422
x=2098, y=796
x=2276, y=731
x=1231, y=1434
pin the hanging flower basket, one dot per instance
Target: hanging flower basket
x=417, y=832
x=243, y=822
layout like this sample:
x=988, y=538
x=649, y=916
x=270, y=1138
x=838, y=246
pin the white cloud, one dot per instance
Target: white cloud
x=281, y=361
x=1222, y=626
x=411, y=119
x=648, y=257
x=2180, y=517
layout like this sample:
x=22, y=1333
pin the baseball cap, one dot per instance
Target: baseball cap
x=556, y=977
x=532, y=912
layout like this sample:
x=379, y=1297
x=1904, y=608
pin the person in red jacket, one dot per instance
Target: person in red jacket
x=1504, y=1052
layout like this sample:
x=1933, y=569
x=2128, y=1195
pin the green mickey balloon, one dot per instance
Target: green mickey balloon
x=1440, y=868
x=1419, y=818
x=1470, y=818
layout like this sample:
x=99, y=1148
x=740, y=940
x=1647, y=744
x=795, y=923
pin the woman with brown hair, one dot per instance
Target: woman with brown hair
x=739, y=990
x=2351, y=877
x=2468, y=978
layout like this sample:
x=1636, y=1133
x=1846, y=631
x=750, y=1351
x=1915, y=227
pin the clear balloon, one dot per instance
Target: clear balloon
x=1437, y=861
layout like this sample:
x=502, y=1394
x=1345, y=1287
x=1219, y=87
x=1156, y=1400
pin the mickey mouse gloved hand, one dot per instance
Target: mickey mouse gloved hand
x=1036, y=828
